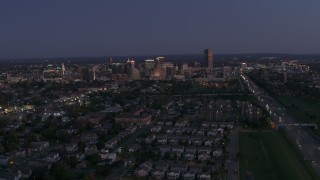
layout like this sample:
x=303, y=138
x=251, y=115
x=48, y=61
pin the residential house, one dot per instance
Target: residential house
x=208, y=142
x=172, y=174
x=39, y=164
x=181, y=167
x=52, y=157
x=190, y=153
x=203, y=156
x=142, y=172
x=162, y=139
x=39, y=146
x=184, y=139
x=206, y=150
x=168, y=123
x=204, y=176
x=217, y=153
x=173, y=140
x=196, y=168
x=177, y=150
x=82, y=165
x=189, y=156
x=189, y=175
x=179, y=131
x=112, y=157
x=4, y=160
x=92, y=118
x=72, y=147
x=158, y=173
x=165, y=148
x=205, y=124
x=161, y=123
x=111, y=143
x=211, y=133
x=169, y=131
x=150, y=138
x=142, y=118
x=134, y=148
x=196, y=142
x=162, y=165
x=20, y=154
x=91, y=149
x=200, y=132
x=181, y=123
x=156, y=128
x=144, y=169
x=25, y=173
x=89, y=138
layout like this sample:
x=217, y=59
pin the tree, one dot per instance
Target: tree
x=61, y=171
x=49, y=132
x=94, y=159
x=73, y=161
x=11, y=141
x=166, y=156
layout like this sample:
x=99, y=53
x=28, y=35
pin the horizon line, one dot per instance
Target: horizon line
x=155, y=55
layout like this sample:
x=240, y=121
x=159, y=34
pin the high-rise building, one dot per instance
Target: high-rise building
x=208, y=57
x=158, y=72
x=159, y=62
x=132, y=72
x=109, y=63
x=149, y=64
x=63, y=69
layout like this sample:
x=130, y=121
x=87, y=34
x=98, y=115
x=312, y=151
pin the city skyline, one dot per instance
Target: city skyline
x=83, y=29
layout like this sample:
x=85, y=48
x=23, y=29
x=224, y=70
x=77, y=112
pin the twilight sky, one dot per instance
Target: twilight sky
x=65, y=28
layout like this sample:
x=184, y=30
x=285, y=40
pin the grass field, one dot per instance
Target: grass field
x=268, y=155
x=304, y=107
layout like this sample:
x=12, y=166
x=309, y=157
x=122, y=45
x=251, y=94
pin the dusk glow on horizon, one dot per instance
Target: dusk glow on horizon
x=114, y=28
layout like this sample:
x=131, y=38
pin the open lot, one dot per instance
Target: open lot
x=305, y=108
x=268, y=155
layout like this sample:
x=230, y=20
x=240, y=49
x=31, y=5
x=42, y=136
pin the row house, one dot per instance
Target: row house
x=204, y=176
x=111, y=143
x=150, y=138
x=164, y=149
x=91, y=149
x=133, y=119
x=190, y=153
x=181, y=123
x=203, y=156
x=71, y=147
x=177, y=150
x=144, y=169
x=89, y=138
x=52, y=157
x=157, y=128
x=189, y=175
x=39, y=146
x=158, y=173
x=173, y=140
x=162, y=139
x=173, y=174
x=92, y=118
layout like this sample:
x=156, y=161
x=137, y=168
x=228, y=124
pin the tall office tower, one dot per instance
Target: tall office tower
x=132, y=72
x=63, y=69
x=148, y=64
x=109, y=63
x=208, y=57
x=85, y=73
x=94, y=73
x=159, y=62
